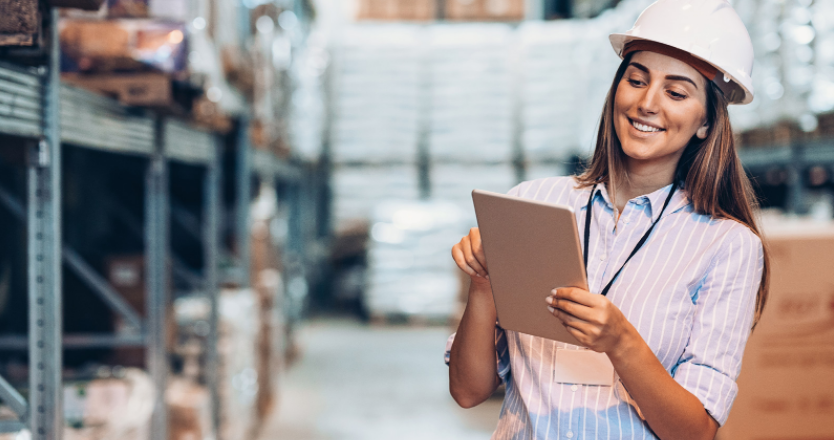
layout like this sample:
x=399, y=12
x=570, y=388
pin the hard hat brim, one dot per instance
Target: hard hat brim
x=734, y=90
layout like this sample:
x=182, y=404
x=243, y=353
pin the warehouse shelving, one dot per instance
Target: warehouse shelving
x=49, y=116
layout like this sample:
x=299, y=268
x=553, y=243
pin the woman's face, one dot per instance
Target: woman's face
x=660, y=104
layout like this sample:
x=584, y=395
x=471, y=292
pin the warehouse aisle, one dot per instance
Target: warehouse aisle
x=368, y=383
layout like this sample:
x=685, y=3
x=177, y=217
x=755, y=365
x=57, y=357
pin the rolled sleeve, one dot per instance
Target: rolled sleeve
x=502, y=352
x=724, y=309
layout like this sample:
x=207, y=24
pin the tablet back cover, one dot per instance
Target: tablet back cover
x=531, y=248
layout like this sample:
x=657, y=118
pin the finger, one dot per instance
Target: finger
x=460, y=260
x=578, y=310
x=470, y=258
x=478, y=247
x=575, y=295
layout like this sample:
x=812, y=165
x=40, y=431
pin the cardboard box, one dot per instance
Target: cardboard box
x=19, y=22
x=786, y=387
x=94, y=39
x=166, y=9
x=87, y=5
x=19, y=16
x=416, y=10
x=189, y=410
x=123, y=46
x=127, y=8
x=142, y=89
x=485, y=10
x=126, y=274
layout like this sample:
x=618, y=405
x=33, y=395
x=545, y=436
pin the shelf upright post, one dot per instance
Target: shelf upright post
x=211, y=244
x=44, y=258
x=796, y=187
x=244, y=192
x=156, y=273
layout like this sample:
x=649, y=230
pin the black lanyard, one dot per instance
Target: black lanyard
x=589, y=212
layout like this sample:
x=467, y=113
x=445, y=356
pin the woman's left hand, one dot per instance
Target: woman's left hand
x=590, y=318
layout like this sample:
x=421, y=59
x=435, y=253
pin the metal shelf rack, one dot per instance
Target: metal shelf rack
x=795, y=159
x=34, y=105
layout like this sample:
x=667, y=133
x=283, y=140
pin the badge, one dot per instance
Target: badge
x=585, y=367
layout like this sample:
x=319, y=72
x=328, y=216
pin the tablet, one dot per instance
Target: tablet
x=531, y=248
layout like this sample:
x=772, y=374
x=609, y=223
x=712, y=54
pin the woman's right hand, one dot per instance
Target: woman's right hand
x=470, y=258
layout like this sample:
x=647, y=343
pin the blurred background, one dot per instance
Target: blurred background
x=232, y=219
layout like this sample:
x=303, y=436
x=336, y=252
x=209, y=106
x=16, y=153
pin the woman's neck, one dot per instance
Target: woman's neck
x=642, y=179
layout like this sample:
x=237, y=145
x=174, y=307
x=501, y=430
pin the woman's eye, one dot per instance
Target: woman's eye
x=677, y=95
x=635, y=82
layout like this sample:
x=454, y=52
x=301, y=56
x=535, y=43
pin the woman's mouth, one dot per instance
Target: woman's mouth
x=643, y=127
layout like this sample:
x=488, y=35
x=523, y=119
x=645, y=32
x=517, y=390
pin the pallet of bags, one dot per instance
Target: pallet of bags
x=238, y=373
x=115, y=407
x=410, y=273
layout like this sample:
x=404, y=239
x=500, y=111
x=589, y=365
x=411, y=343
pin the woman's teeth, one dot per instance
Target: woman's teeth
x=642, y=127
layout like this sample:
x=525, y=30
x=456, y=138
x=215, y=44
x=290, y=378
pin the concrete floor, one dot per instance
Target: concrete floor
x=359, y=382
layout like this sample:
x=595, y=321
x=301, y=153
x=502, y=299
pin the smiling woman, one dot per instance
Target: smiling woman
x=676, y=269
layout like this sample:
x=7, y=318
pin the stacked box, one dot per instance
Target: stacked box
x=19, y=22
x=420, y=10
x=485, y=10
x=123, y=45
x=471, y=110
x=189, y=411
x=377, y=91
x=165, y=9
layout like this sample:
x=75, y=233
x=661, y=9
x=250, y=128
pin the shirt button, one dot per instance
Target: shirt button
x=569, y=434
x=574, y=388
x=602, y=258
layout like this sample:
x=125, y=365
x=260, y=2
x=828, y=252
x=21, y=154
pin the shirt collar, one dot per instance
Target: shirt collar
x=655, y=200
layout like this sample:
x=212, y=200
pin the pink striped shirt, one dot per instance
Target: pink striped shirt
x=690, y=292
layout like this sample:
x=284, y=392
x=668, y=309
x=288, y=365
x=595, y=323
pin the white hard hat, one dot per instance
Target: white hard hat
x=710, y=30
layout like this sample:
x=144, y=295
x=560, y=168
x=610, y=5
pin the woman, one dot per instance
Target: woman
x=672, y=246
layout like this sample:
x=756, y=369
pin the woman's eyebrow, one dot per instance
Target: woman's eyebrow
x=671, y=77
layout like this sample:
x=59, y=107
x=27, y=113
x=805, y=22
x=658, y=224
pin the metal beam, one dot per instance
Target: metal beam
x=243, y=174
x=78, y=341
x=211, y=249
x=156, y=261
x=46, y=418
x=13, y=399
x=11, y=426
x=84, y=271
x=189, y=222
x=179, y=267
x=106, y=292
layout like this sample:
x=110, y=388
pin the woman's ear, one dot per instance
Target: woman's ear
x=702, y=131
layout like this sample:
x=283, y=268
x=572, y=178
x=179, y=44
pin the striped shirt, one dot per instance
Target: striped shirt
x=690, y=292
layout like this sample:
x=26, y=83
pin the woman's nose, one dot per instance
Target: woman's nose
x=648, y=102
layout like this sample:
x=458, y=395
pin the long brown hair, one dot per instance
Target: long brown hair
x=709, y=170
